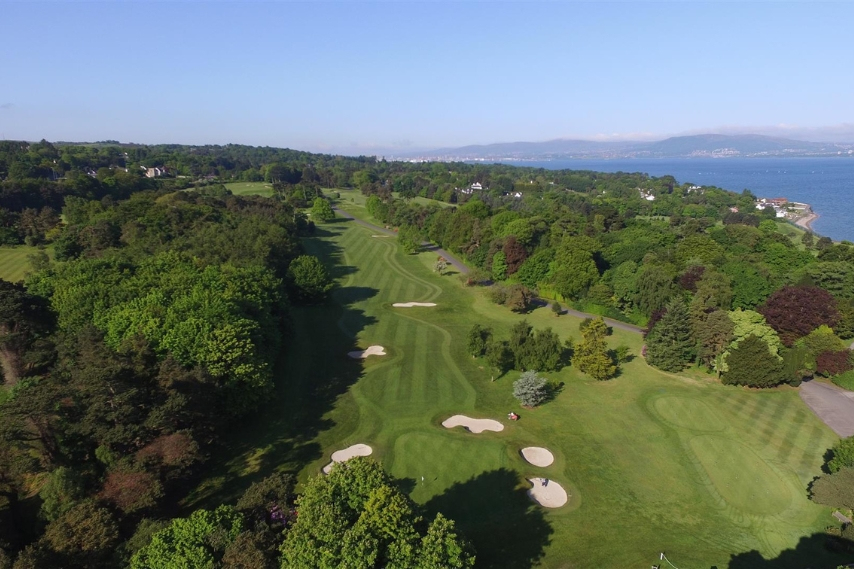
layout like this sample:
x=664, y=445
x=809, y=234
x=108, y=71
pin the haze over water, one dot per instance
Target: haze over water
x=825, y=183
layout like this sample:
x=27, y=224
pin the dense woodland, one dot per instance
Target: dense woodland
x=158, y=322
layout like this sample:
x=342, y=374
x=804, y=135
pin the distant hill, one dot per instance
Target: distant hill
x=710, y=145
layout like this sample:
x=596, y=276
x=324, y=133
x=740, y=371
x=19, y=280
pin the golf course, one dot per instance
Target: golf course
x=651, y=462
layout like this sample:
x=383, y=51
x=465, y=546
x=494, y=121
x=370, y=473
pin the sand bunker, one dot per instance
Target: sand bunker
x=346, y=454
x=371, y=351
x=412, y=304
x=550, y=495
x=538, y=456
x=380, y=235
x=472, y=425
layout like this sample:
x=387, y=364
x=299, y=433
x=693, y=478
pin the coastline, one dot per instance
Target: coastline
x=806, y=221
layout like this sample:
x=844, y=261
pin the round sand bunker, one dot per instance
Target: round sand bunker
x=346, y=454
x=547, y=493
x=472, y=425
x=371, y=351
x=538, y=456
x=412, y=304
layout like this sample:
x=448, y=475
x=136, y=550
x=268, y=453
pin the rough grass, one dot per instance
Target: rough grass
x=653, y=462
x=14, y=264
x=250, y=188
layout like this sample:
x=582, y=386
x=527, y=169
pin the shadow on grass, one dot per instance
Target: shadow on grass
x=312, y=371
x=496, y=515
x=819, y=550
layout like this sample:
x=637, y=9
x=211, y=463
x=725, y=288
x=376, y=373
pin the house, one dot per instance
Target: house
x=155, y=172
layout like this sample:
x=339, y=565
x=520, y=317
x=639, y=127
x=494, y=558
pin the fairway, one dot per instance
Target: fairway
x=250, y=188
x=652, y=462
x=14, y=264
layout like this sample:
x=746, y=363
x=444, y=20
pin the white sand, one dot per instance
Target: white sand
x=346, y=454
x=538, y=456
x=412, y=304
x=472, y=425
x=371, y=351
x=552, y=495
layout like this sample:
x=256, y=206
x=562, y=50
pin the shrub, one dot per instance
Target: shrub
x=530, y=389
x=833, y=363
x=842, y=455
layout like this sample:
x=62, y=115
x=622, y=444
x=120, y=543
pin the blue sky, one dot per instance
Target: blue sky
x=407, y=75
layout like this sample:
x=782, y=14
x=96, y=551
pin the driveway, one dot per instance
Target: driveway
x=831, y=404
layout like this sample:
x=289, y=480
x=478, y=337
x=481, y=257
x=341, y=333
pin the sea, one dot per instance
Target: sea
x=827, y=184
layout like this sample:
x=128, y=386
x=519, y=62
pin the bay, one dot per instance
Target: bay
x=825, y=183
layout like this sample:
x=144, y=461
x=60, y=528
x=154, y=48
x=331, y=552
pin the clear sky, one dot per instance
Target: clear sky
x=406, y=75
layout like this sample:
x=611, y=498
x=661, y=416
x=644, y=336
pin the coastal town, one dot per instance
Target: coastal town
x=799, y=213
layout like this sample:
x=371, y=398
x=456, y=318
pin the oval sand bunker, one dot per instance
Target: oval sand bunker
x=346, y=454
x=371, y=351
x=472, y=425
x=412, y=304
x=538, y=456
x=547, y=493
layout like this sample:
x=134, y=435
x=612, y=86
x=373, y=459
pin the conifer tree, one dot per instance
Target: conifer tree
x=591, y=355
x=669, y=344
x=751, y=363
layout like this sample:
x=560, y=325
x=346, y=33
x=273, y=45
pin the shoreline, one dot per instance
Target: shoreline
x=806, y=221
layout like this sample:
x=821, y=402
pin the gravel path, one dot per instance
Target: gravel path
x=831, y=404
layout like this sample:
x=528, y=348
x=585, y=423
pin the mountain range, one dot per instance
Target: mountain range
x=702, y=145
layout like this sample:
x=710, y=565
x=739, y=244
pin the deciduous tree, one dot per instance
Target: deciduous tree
x=795, y=311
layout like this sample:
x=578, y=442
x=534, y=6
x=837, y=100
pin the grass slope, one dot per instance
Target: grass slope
x=14, y=264
x=653, y=462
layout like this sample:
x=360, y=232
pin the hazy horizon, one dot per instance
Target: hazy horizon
x=404, y=76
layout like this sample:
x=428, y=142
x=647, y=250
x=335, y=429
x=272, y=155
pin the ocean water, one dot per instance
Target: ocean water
x=825, y=183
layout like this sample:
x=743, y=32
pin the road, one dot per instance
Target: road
x=833, y=405
x=460, y=266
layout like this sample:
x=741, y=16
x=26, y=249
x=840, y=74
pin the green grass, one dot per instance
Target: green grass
x=14, y=264
x=653, y=462
x=250, y=188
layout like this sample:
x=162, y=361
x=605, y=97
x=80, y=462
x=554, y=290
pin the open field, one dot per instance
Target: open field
x=652, y=462
x=250, y=188
x=14, y=264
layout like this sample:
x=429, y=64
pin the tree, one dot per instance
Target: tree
x=795, y=311
x=835, y=490
x=749, y=288
x=62, y=491
x=540, y=350
x=669, y=344
x=514, y=254
x=198, y=541
x=842, y=455
x=479, y=339
x=321, y=210
x=85, y=532
x=751, y=363
x=749, y=323
x=557, y=309
x=573, y=272
x=519, y=298
x=530, y=389
x=443, y=548
x=499, y=266
x=22, y=318
x=356, y=517
x=591, y=355
x=500, y=357
x=409, y=239
x=714, y=334
x=655, y=287
x=309, y=279
x=441, y=265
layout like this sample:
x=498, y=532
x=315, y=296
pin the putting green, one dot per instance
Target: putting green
x=740, y=476
x=688, y=413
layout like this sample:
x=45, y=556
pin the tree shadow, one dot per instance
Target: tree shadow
x=494, y=512
x=312, y=372
x=820, y=550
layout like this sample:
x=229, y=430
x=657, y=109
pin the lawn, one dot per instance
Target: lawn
x=250, y=188
x=653, y=462
x=14, y=264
